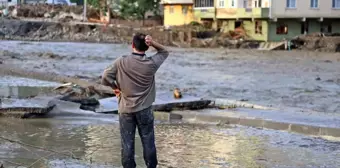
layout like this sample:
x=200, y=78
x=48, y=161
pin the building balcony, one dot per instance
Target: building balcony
x=205, y=13
x=232, y=13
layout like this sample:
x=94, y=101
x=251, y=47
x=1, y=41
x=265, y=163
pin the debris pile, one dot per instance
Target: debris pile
x=318, y=42
x=54, y=12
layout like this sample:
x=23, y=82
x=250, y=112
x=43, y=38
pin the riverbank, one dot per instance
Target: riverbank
x=32, y=29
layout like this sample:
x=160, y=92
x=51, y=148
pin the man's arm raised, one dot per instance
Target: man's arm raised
x=162, y=53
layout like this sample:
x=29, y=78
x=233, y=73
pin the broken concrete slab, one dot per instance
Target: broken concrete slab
x=164, y=102
x=70, y=109
x=26, y=108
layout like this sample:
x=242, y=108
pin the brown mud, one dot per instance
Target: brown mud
x=279, y=79
x=308, y=81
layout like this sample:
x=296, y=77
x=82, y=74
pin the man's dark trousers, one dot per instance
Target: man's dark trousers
x=144, y=121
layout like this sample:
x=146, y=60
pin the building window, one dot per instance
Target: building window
x=221, y=4
x=335, y=3
x=281, y=29
x=257, y=3
x=248, y=3
x=291, y=4
x=258, y=27
x=185, y=9
x=204, y=3
x=171, y=10
x=314, y=3
x=233, y=5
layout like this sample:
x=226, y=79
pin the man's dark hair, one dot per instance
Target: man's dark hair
x=139, y=42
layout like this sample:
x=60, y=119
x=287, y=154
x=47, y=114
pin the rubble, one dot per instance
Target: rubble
x=26, y=108
x=318, y=42
x=53, y=26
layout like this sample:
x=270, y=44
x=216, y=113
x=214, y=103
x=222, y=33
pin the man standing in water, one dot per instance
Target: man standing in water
x=133, y=79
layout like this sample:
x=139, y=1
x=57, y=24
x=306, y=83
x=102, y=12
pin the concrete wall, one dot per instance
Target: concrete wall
x=303, y=9
x=208, y=13
x=177, y=17
x=249, y=26
x=335, y=26
x=294, y=29
x=313, y=26
x=232, y=13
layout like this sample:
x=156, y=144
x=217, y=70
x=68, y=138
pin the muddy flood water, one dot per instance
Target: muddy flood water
x=68, y=142
x=305, y=81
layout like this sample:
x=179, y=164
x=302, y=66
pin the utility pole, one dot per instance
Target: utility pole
x=84, y=12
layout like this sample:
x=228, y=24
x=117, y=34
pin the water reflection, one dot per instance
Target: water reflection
x=178, y=145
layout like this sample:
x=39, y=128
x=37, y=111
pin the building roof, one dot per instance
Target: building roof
x=177, y=2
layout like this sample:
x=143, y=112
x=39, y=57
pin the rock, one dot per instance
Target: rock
x=50, y=56
x=47, y=15
x=6, y=53
x=318, y=78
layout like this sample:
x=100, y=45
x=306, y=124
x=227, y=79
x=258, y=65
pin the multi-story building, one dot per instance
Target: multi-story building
x=267, y=20
x=177, y=12
x=290, y=18
x=251, y=15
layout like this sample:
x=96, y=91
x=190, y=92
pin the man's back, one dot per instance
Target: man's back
x=133, y=79
x=136, y=80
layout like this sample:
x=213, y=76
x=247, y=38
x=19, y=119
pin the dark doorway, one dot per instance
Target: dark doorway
x=238, y=24
x=304, y=27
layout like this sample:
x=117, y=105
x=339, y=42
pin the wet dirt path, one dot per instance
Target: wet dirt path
x=307, y=80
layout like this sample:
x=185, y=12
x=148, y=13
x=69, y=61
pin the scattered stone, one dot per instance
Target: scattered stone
x=6, y=53
x=51, y=56
x=328, y=61
x=330, y=80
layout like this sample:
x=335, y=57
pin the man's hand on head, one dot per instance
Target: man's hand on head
x=148, y=40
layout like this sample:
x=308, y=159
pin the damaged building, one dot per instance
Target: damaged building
x=266, y=20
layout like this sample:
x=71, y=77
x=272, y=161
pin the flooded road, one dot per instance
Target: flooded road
x=68, y=143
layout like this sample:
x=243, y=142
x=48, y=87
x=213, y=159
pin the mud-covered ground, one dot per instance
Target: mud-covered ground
x=281, y=79
x=307, y=81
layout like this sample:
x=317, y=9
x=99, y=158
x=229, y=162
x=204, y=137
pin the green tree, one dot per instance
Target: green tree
x=93, y=3
x=137, y=8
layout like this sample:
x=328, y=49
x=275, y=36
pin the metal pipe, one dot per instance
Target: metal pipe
x=84, y=13
x=270, y=9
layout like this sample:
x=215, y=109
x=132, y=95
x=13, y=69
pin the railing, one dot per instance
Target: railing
x=249, y=9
